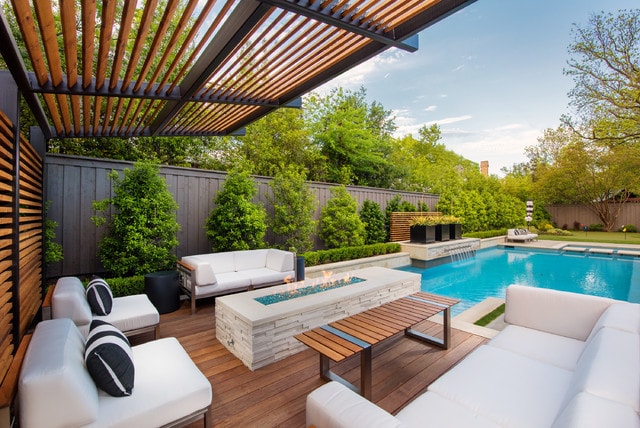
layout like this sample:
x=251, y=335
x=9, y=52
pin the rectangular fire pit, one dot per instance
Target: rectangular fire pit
x=260, y=334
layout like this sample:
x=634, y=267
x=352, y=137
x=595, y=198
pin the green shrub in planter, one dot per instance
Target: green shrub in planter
x=141, y=223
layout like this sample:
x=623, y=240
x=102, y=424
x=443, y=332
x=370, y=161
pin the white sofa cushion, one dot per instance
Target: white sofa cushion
x=281, y=261
x=204, y=274
x=131, y=313
x=609, y=367
x=264, y=276
x=557, y=312
x=588, y=411
x=69, y=301
x=507, y=388
x=250, y=259
x=549, y=348
x=442, y=413
x=46, y=395
x=220, y=262
x=233, y=280
x=157, y=400
x=623, y=316
x=334, y=406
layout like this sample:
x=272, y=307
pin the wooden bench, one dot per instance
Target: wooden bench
x=357, y=334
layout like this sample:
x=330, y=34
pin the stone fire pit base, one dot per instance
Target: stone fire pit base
x=261, y=334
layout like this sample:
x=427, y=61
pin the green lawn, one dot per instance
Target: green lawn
x=597, y=237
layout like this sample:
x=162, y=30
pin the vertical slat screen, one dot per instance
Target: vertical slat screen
x=31, y=234
x=7, y=344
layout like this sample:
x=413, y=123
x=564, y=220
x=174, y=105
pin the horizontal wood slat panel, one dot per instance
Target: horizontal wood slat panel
x=399, y=225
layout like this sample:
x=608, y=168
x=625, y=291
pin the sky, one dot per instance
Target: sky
x=491, y=76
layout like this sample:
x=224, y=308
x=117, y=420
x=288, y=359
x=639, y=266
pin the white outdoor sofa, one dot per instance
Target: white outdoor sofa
x=206, y=275
x=520, y=235
x=55, y=388
x=133, y=314
x=564, y=360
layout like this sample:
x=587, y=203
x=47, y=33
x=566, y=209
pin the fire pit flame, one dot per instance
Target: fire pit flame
x=299, y=289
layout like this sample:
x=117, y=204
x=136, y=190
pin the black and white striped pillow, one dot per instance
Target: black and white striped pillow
x=109, y=360
x=99, y=296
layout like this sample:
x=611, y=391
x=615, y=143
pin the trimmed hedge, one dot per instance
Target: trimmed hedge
x=320, y=257
x=124, y=286
x=485, y=234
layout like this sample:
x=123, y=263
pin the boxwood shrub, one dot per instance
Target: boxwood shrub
x=320, y=257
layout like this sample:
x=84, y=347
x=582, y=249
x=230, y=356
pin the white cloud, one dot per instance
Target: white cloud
x=430, y=108
x=448, y=120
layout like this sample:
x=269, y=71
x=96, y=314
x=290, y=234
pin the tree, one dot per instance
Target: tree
x=604, y=66
x=601, y=177
x=276, y=141
x=353, y=136
x=427, y=164
x=141, y=232
x=293, y=208
x=236, y=223
x=374, y=224
x=340, y=225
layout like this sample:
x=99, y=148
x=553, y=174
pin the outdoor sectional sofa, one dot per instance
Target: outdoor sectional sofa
x=564, y=360
x=206, y=275
x=521, y=235
x=55, y=388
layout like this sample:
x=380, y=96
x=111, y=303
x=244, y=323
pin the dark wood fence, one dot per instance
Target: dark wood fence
x=73, y=183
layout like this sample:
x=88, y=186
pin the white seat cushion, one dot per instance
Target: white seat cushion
x=132, y=313
x=168, y=385
x=548, y=348
x=442, y=413
x=507, y=388
x=264, y=276
x=233, y=280
x=588, y=411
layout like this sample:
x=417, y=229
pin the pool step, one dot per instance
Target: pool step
x=598, y=250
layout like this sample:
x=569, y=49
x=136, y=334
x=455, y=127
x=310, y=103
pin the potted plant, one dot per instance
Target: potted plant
x=422, y=229
x=455, y=226
x=442, y=229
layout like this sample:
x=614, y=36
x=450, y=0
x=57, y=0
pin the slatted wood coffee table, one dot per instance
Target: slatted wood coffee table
x=358, y=333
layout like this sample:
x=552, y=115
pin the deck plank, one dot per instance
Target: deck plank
x=275, y=395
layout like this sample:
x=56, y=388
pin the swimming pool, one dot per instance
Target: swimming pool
x=491, y=271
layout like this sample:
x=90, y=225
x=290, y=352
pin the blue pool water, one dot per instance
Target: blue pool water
x=490, y=272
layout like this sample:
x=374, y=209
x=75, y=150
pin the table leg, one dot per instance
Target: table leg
x=442, y=343
x=365, y=373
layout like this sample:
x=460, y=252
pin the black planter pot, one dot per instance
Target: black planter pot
x=455, y=231
x=422, y=234
x=442, y=232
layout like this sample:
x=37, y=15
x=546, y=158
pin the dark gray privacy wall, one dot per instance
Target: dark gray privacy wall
x=73, y=183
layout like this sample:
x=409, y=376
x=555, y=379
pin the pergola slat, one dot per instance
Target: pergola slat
x=191, y=68
x=128, y=9
x=143, y=30
x=155, y=46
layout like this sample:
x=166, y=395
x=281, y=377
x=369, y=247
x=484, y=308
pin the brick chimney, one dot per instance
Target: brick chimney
x=484, y=168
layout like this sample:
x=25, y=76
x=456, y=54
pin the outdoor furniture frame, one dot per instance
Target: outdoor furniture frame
x=358, y=333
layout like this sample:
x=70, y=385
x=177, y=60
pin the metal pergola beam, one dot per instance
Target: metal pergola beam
x=432, y=15
x=9, y=50
x=237, y=26
x=357, y=27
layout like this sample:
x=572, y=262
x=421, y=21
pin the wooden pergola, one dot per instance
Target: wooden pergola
x=126, y=68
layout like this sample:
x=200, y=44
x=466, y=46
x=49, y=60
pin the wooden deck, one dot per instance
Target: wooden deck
x=275, y=395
